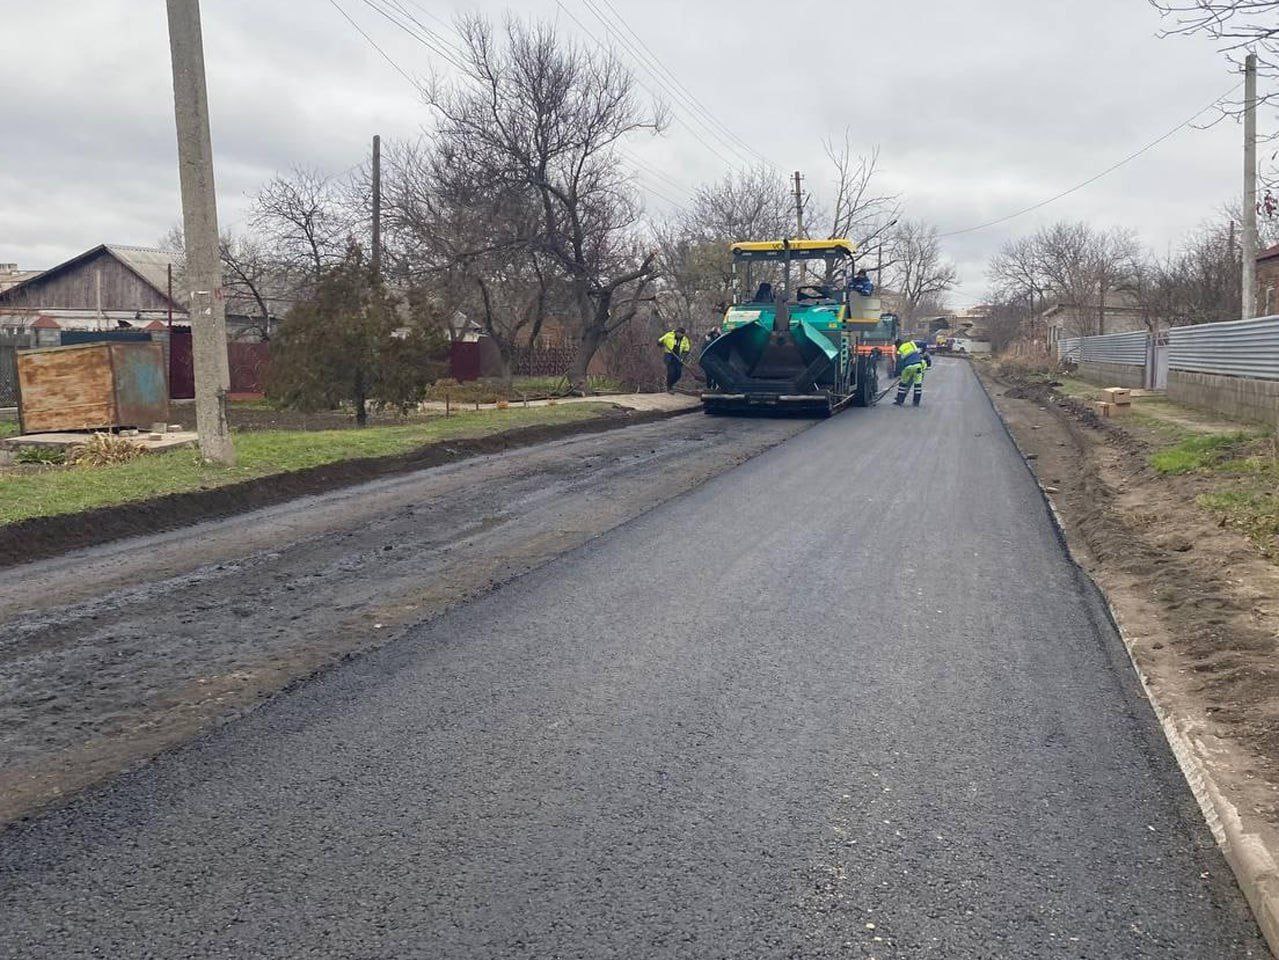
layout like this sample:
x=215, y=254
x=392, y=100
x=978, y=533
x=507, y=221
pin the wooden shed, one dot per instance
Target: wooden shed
x=92, y=386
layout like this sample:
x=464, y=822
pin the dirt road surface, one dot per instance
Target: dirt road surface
x=849, y=699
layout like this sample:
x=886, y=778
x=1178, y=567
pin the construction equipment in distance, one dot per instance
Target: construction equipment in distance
x=787, y=344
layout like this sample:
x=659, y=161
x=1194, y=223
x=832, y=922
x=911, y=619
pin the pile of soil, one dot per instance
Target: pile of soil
x=1198, y=601
x=41, y=537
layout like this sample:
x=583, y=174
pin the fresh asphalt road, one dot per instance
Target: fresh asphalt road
x=849, y=699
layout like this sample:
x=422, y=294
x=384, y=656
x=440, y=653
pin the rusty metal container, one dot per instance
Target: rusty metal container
x=92, y=386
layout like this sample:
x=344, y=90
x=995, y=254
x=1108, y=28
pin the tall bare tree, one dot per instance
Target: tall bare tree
x=532, y=110
x=921, y=274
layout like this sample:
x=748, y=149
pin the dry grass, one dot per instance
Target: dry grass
x=104, y=449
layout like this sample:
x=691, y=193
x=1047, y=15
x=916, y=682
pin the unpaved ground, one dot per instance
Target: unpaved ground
x=113, y=654
x=1198, y=601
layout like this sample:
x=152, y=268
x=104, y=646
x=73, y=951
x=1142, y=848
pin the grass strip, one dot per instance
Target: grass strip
x=55, y=490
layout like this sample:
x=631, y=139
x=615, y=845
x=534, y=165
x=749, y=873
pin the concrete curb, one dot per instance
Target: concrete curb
x=1246, y=851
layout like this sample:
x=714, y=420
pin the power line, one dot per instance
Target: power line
x=676, y=98
x=645, y=64
x=640, y=167
x=1093, y=179
x=437, y=46
x=455, y=53
x=373, y=43
x=690, y=95
x=680, y=120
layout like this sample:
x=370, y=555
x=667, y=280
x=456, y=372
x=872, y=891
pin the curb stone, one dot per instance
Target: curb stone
x=1246, y=851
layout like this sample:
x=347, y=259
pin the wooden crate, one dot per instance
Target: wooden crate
x=1108, y=410
x=1120, y=396
x=92, y=386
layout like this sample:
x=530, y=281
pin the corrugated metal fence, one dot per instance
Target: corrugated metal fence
x=1129, y=348
x=1237, y=348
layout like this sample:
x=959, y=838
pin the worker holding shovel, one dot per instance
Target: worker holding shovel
x=675, y=346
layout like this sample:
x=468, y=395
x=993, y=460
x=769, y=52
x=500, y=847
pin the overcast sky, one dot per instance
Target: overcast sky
x=979, y=108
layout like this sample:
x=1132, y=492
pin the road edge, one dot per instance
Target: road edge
x=1252, y=863
x=41, y=538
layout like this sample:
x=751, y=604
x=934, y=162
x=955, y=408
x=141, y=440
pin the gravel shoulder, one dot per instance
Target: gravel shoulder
x=112, y=654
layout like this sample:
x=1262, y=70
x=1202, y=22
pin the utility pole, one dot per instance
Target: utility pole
x=1248, y=300
x=375, y=260
x=205, y=298
x=799, y=206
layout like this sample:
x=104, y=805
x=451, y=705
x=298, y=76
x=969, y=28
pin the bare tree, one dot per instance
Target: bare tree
x=534, y=111
x=1240, y=26
x=305, y=217
x=1197, y=283
x=468, y=245
x=921, y=274
x=751, y=204
x=257, y=286
x=858, y=208
x=693, y=248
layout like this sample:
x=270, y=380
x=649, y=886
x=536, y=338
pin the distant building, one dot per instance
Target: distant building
x=106, y=288
x=101, y=289
x=11, y=276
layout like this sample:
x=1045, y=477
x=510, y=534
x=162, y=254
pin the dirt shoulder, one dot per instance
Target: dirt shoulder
x=44, y=536
x=1190, y=582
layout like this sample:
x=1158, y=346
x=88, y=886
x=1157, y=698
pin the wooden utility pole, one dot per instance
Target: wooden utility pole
x=375, y=259
x=205, y=297
x=1248, y=300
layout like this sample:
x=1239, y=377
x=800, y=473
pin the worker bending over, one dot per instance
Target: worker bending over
x=675, y=347
x=912, y=360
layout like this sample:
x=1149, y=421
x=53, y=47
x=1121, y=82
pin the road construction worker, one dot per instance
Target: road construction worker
x=912, y=360
x=675, y=348
x=862, y=284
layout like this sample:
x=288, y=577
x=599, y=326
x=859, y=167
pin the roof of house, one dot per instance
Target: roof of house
x=46, y=323
x=1270, y=253
x=149, y=264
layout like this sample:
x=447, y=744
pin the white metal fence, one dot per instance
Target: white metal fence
x=1236, y=348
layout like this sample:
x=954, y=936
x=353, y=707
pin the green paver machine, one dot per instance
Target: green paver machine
x=790, y=340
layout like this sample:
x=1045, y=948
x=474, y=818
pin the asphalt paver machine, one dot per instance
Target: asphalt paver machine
x=790, y=340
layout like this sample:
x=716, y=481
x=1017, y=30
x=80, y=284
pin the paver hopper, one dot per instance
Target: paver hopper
x=790, y=340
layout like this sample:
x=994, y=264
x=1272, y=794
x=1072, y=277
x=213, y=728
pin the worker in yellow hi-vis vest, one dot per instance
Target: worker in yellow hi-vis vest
x=675, y=347
x=912, y=360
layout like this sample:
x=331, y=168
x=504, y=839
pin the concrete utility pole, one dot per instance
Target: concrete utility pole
x=200, y=224
x=799, y=206
x=375, y=260
x=1249, y=298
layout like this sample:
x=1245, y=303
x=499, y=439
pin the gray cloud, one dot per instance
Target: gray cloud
x=979, y=108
